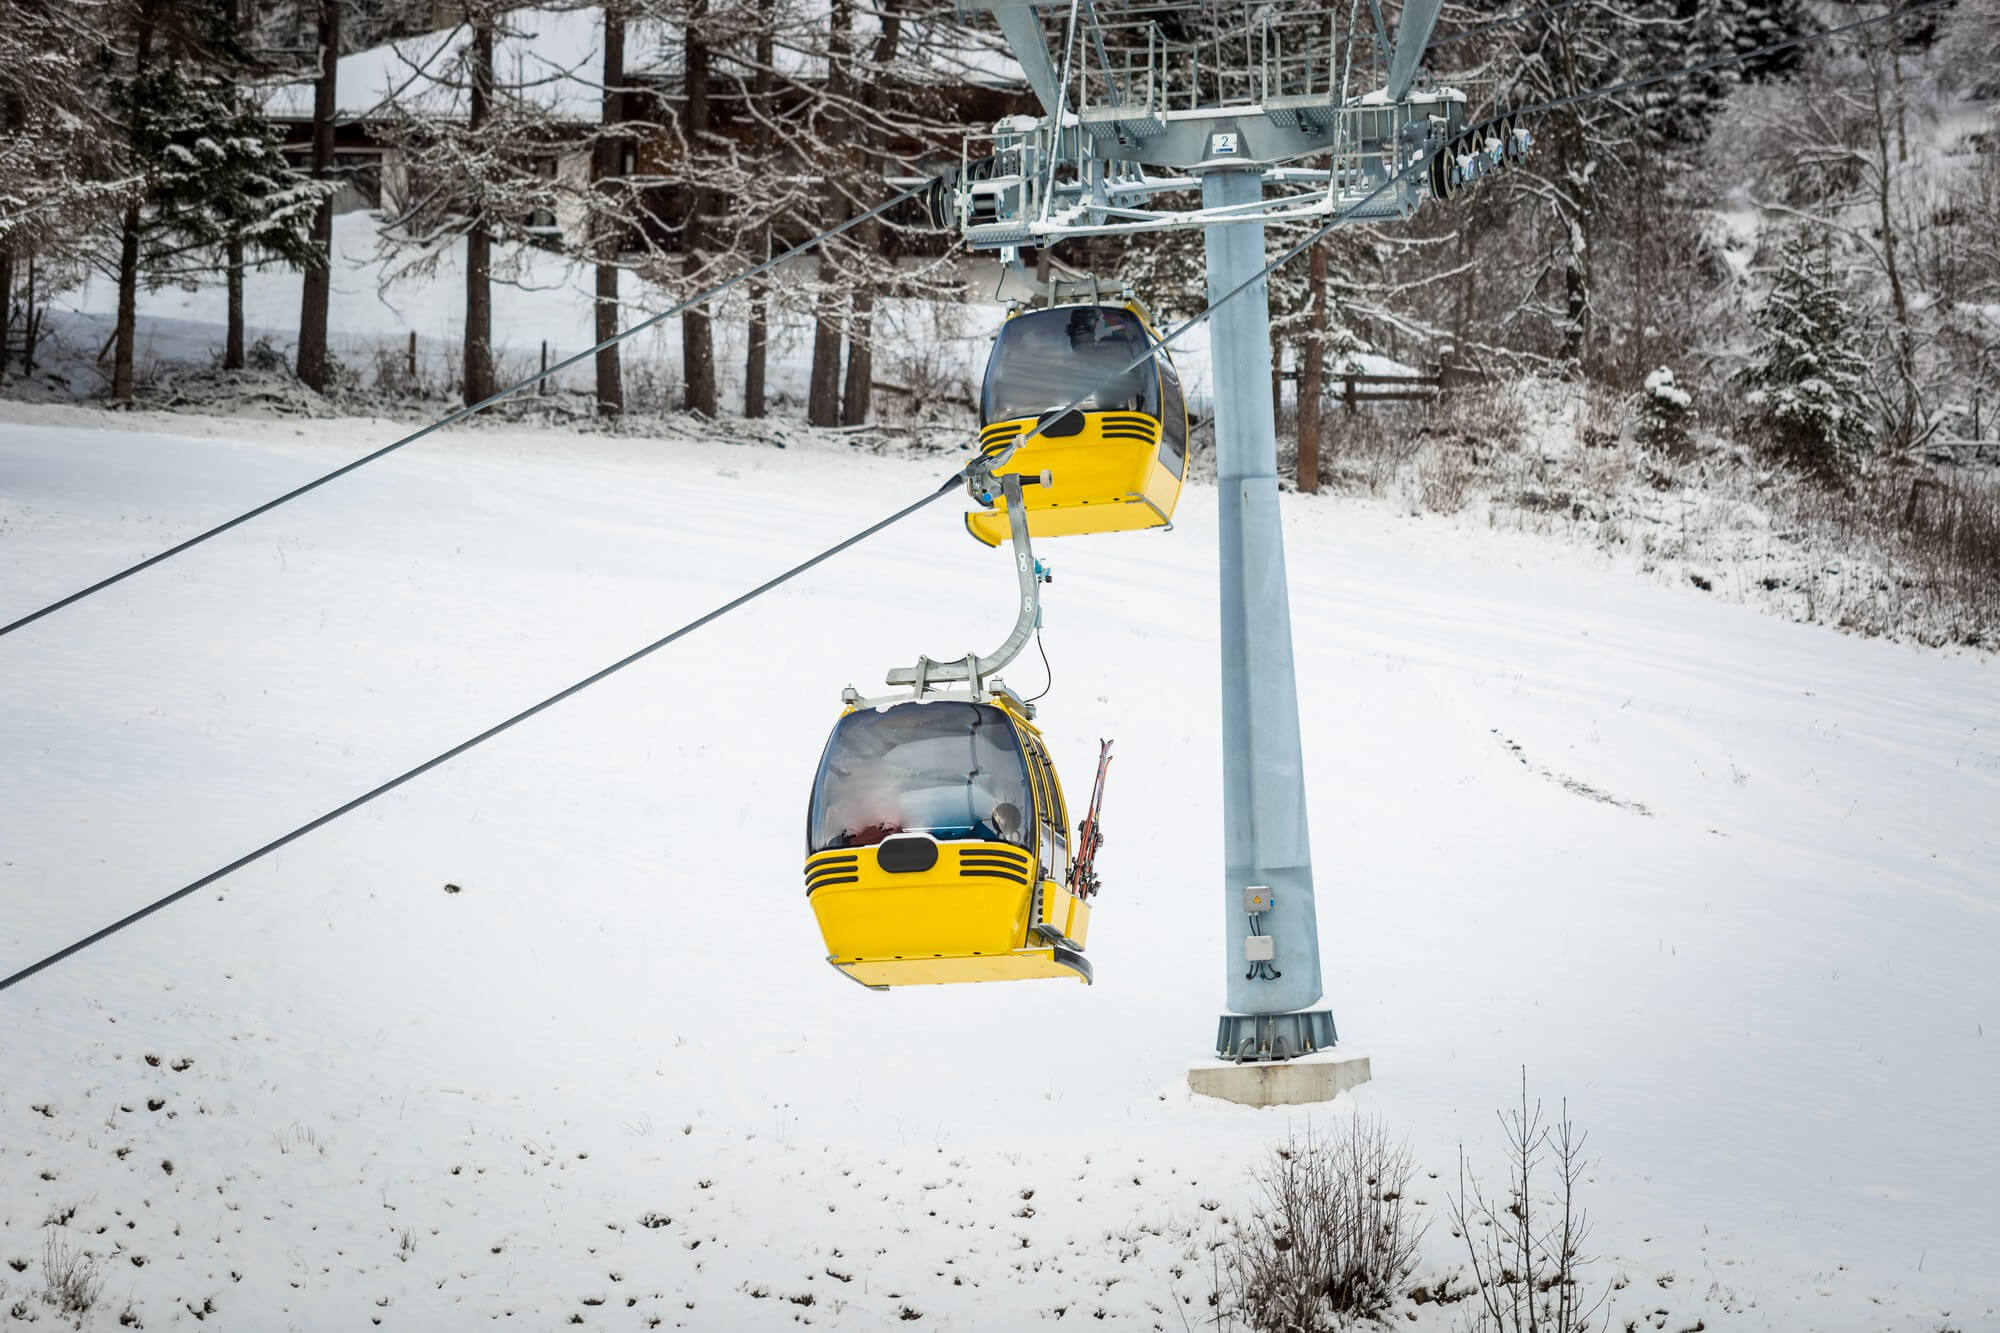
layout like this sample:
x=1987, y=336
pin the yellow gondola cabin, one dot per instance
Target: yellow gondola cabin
x=936, y=847
x=1118, y=459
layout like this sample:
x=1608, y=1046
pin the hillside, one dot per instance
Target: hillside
x=547, y=1035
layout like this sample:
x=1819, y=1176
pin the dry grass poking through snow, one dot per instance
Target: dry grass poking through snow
x=1912, y=552
x=70, y=1280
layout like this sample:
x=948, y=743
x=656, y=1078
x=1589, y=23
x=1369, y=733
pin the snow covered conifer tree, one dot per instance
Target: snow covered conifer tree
x=1665, y=414
x=63, y=180
x=1807, y=381
x=1748, y=25
x=209, y=165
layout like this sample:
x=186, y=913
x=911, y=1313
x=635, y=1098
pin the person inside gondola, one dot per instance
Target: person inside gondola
x=869, y=810
x=952, y=770
x=1045, y=358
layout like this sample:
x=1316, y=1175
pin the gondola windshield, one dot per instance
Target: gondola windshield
x=951, y=769
x=1045, y=358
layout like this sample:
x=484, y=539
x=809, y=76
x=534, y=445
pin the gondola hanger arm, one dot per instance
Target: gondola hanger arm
x=1029, y=575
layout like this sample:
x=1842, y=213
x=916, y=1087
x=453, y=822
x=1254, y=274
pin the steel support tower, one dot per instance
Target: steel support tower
x=1264, y=120
x=1267, y=853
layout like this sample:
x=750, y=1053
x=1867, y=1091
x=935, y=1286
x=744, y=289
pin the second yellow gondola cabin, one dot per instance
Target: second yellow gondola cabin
x=936, y=847
x=1116, y=461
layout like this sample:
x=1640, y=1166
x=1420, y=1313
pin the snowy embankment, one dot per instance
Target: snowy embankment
x=547, y=1033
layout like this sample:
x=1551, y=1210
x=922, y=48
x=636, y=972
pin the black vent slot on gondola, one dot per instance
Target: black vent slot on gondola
x=907, y=856
x=1067, y=424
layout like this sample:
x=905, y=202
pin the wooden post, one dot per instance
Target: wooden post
x=1444, y=372
x=413, y=358
x=542, y=389
x=1917, y=486
x=1353, y=400
x=6, y=302
x=31, y=322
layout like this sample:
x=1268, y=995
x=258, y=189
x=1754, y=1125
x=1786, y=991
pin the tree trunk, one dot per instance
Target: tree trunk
x=610, y=152
x=1576, y=297
x=6, y=304
x=32, y=317
x=1906, y=428
x=1576, y=273
x=757, y=349
x=232, y=341
x=1312, y=358
x=858, y=394
x=697, y=336
x=10, y=116
x=823, y=392
x=823, y=398
x=1641, y=271
x=318, y=287
x=478, y=240
x=756, y=354
x=126, y=329
x=859, y=390
x=128, y=304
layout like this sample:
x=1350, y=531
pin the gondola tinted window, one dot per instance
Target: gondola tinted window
x=1045, y=358
x=950, y=769
x=1173, y=422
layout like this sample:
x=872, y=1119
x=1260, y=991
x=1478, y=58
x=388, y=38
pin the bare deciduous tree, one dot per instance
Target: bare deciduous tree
x=1526, y=1247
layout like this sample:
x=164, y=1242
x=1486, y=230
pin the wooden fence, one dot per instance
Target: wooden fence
x=1352, y=390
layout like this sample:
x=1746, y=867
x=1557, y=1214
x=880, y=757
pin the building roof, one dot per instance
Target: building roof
x=555, y=57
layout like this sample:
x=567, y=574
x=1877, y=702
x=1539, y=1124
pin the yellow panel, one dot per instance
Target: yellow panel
x=1056, y=903
x=942, y=926
x=938, y=913
x=1100, y=484
x=1022, y=965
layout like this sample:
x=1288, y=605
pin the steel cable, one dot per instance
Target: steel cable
x=484, y=736
x=464, y=412
x=346, y=807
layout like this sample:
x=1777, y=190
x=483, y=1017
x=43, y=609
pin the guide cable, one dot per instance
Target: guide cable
x=743, y=599
x=484, y=736
x=464, y=412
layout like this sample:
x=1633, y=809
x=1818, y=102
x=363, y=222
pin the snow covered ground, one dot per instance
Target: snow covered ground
x=545, y=1037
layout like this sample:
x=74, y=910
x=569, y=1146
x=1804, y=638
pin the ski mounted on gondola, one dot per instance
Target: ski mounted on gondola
x=1090, y=833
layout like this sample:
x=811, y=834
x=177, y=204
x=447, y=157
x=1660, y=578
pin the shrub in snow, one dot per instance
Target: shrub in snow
x=1806, y=379
x=1665, y=415
x=1331, y=1242
x=1526, y=1247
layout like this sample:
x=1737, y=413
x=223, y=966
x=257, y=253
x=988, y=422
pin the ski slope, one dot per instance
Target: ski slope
x=546, y=1036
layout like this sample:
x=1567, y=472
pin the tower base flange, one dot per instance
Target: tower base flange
x=1244, y=1037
